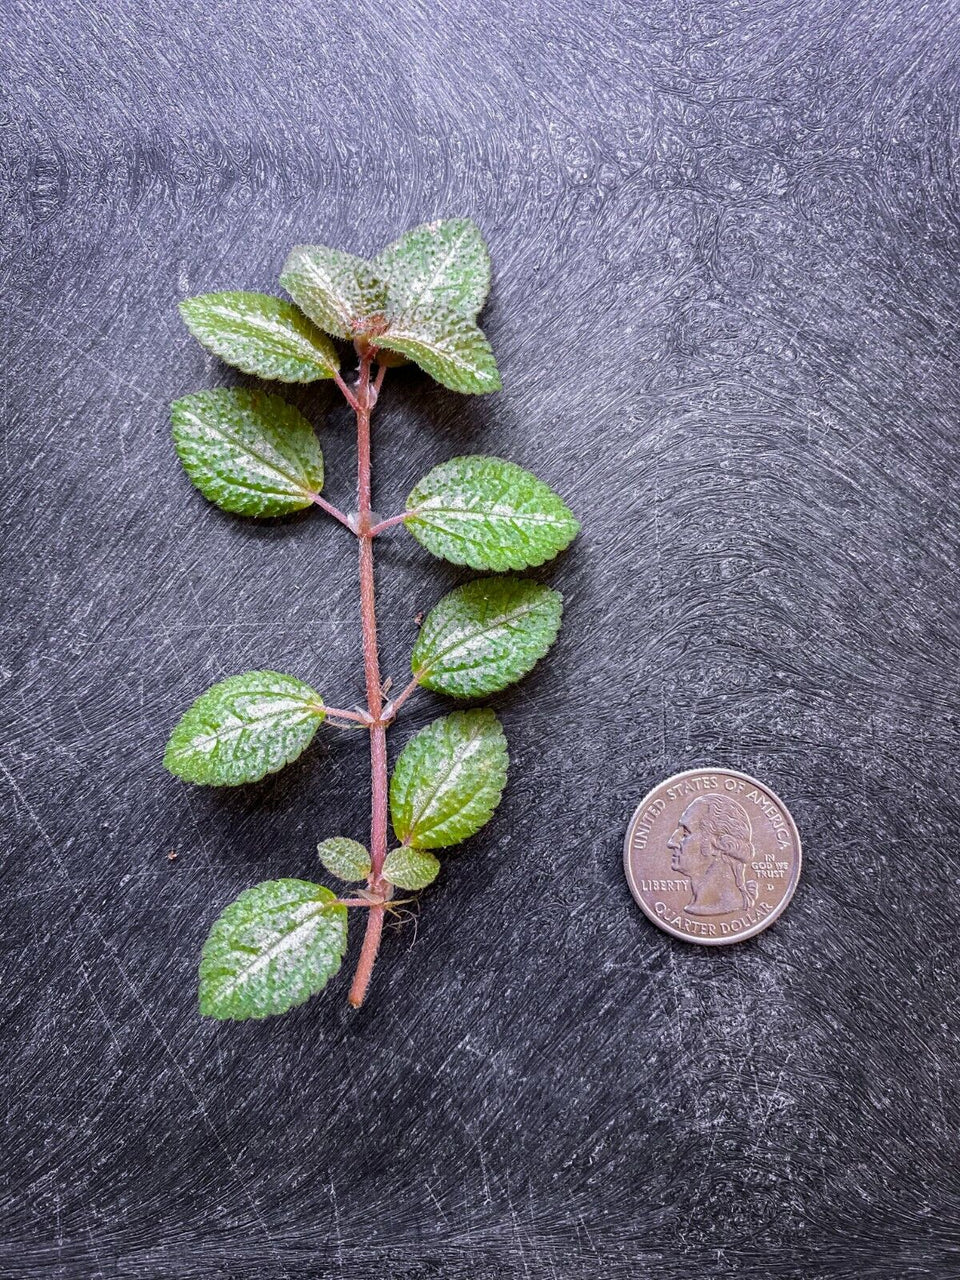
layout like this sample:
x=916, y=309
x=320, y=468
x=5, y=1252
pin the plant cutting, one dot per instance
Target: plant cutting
x=255, y=455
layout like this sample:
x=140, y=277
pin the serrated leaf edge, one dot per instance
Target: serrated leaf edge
x=346, y=331
x=501, y=561
x=491, y=716
x=469, y=226
x=316, y=711
x=177, y=406
x=323, y=905
x=424, y=853
x=328, y=362
x=502, y=619
x=395, y=338
x=339, y=875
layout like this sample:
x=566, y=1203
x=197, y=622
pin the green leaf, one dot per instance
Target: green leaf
x=339, y=292
x=446, y=345
x=244, y=728
x=345, y=859
x=489, y=514
x=275, y=946
x=410, y=868
x=439, y=265
x=448, y=780
x=262, y=335
x=486, y=635
x=248, y=452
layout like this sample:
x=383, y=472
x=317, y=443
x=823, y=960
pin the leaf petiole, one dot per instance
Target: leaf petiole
x=331, y=510
x=377, y=383
x=391, y=709
x=338, y=713
x=348, y=395
x=388, y=524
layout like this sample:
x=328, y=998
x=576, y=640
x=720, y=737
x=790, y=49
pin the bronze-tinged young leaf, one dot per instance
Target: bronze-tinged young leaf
x=448, y=780
x=446, y=345
x=341, y=293
x=410, y=868
x=439, y=265
x=485, y=635
x=489, y=514
x=346, y=859
x=272, y=948
x=249, y=452
x=262, y=335
x=244, y=728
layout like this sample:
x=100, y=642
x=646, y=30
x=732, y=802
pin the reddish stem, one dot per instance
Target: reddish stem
x=350, y=398
x=331, y=510
x=371, y=669
x=338, y=713
x=388, y=524
x=394, y=705
x=368, y=957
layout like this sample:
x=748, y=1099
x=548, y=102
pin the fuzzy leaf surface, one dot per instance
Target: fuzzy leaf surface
x=410, y=868
x=249, y=452
x=262, y=335
x=489, y=514
x=440, y=265
x=446, y=345
x=448, y=780
x=244, y=728
x=346, y=859
x=339, y=292
x=272, y=948
x=486, y=635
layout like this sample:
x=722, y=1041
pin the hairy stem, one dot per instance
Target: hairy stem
x=339, y=713
x=365, y=397
x=388, y=524
x=368, y=957
x=331, y=510
x=348, y=395
x=394, y=705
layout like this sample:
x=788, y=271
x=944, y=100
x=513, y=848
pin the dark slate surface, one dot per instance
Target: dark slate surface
x=726, y=242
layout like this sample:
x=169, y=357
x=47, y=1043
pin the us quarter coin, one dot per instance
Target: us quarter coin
x=712, y=856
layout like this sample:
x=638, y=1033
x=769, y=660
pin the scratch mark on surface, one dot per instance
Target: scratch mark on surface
x=131, y=987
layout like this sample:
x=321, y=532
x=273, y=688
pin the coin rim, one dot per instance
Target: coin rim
x=685, y=937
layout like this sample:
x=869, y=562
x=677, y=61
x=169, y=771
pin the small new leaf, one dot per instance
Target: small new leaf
x=244, y=728
x=262, y=335
x=272, y=948
x=248, y=452
x=339, y=292
x=446, y=345
x=441, y=265
x=346, y=859
x=485, y=635
x=410, y=868
x=489, y=514
x=448, y=780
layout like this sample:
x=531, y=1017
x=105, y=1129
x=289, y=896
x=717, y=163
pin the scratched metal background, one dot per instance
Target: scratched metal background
x=726, y=240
